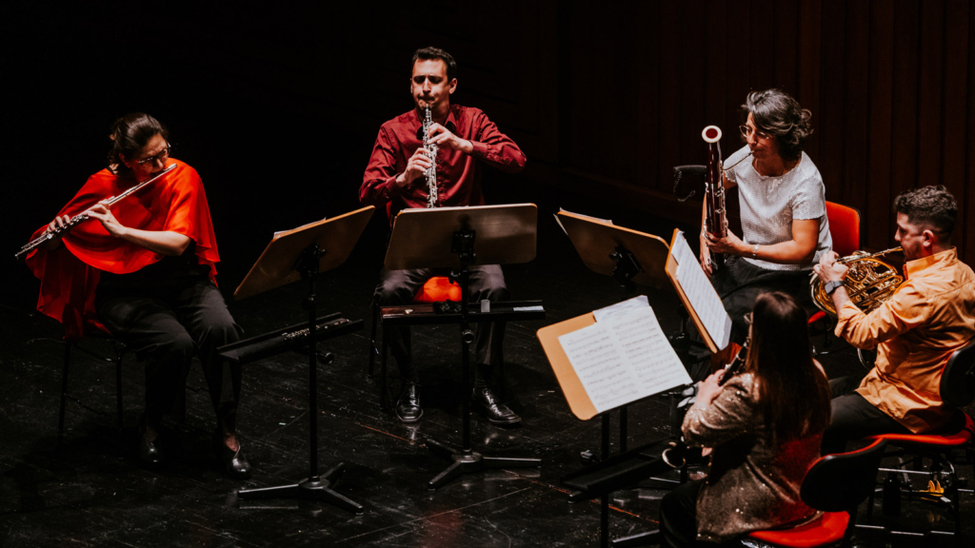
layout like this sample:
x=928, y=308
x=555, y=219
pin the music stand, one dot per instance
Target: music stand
x=613, y=379
x=456, y=238
x=304, y=253
x=629, y=256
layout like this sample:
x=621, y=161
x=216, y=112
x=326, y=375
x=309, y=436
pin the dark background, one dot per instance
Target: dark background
x=277, y=105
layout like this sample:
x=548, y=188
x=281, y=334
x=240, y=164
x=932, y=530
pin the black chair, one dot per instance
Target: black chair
x=91, y=331
x=94, y=332
x=941, y=450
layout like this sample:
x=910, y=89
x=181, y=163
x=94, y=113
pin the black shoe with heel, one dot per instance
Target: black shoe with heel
x=408, y=408
x=234, y=462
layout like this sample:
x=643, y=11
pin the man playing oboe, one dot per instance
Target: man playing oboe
x=397, y=176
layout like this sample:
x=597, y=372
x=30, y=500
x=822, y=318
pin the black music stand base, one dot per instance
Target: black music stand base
x=317, y=489
x=641, y=539
x=470, y=462
x=315, y=486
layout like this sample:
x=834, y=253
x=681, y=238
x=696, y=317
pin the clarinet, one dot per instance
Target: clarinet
x=431, y=173
x=674, y=455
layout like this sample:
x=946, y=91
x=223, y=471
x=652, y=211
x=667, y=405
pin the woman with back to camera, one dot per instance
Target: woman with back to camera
x=146, y=272
x=764, y=426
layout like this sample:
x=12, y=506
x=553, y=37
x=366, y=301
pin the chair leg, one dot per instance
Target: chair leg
x=383, y=401
x=118, y=385
x=372, y=339
x=502, y=386
x=64, y=389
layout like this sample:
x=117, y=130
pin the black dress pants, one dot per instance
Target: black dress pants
x=678, y=518
x=397, y=287
x=853, y=418
x=739, y=283
x=165, y=325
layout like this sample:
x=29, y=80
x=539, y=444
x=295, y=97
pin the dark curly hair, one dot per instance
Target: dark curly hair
x=130, y=134
x=428, y=54
x=931, y=206
x=777, y=113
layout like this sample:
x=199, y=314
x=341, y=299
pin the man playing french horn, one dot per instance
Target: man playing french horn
x=783, y=210
x=928, y=317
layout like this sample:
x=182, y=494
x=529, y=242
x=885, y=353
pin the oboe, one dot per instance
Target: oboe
x=431, y=148
x=83, y=216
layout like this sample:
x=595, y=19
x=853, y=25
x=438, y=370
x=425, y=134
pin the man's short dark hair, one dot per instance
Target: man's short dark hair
x=931, y=206
x=428, y=54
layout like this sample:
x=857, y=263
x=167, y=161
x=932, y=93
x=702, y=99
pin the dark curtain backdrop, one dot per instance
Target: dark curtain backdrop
x=277, y=104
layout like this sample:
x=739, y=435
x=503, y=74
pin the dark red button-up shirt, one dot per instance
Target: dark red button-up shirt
x=458, y=174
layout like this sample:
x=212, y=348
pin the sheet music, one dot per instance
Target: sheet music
x=560, y=224
x=621, y=308
x=623, y=358
x=280, y=233
x=655, y=362
x=590, y=217
x=682, y=251
x=704, y=299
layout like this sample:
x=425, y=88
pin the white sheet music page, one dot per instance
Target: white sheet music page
x=623, y=358
x=654, y=361
x=621, y=308
x=704, y=299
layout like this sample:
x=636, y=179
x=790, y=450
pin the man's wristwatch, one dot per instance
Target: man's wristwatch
x=833, y=286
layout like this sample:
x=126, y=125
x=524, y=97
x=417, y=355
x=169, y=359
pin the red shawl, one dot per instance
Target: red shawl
x=69, y=274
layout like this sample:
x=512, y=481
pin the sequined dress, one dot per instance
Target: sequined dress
x=753, y=482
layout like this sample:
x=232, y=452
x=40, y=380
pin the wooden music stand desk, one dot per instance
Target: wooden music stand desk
x=303, y=253
x=458, y=237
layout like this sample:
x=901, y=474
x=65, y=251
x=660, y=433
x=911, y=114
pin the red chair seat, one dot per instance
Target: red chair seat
x=957, y=439
x=819, y=315
x=826, y=529
x=437, y=289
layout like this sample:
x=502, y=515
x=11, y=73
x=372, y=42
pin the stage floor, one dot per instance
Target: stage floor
x=92, y=491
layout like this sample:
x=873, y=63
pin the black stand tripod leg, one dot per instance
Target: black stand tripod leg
x=319, y=489
x=315, y=486
x=465, y=460
x=642, y=539
x=471, y=462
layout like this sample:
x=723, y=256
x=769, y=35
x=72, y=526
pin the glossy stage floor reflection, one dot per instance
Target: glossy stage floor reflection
x=92, y=491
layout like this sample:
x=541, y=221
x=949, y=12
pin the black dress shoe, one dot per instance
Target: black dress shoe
x=150, y=453
x=234, y=462
x=408, y=408
x=495, y=412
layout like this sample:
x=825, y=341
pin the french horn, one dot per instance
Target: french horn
x=869, y=282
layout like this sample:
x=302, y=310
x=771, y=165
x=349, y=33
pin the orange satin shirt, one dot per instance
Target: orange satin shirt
x=930, y=316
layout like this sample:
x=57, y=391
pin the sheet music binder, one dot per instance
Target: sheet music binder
x=573, y=387
x=671, y=269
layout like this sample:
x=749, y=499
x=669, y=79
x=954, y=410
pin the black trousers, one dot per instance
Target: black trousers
x=854, y=418
x=739, y=283
x=397, y=287
x=678, y=518
x=167, y=324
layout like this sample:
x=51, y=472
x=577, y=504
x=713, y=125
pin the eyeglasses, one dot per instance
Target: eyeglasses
x=746, y=132
x=748, y=318
x=160, y=157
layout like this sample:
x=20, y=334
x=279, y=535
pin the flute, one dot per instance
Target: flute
x=83, y=216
